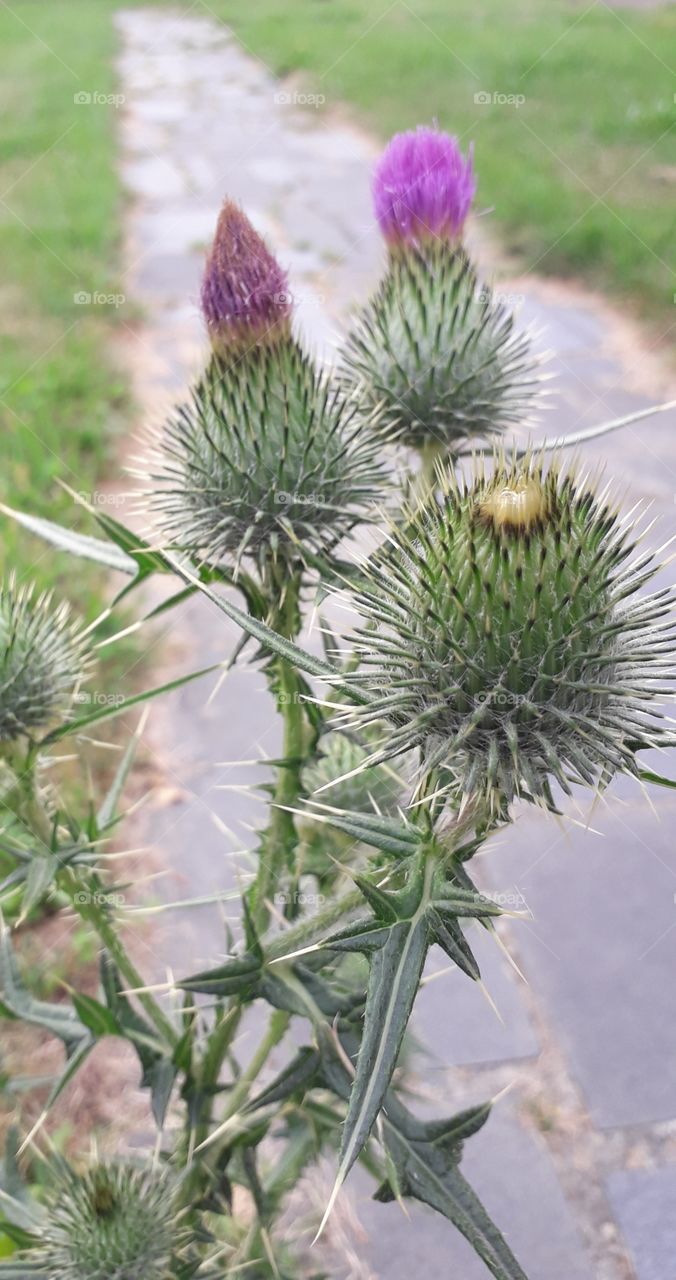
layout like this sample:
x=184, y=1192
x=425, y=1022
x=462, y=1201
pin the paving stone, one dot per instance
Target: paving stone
x=600, y=950
x=643, y=1202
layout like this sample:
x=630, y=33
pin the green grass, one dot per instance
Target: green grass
x=582, y=176
x=61, y=398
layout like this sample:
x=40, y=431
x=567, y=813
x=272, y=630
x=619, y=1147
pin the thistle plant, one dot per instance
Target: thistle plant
x=114, y=1222
x=42, y=660
x=434, y=361
x=509, y=646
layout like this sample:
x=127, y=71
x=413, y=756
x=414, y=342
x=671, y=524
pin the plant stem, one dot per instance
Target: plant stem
x=278, y=846
x=90, y=907
x=308, y=930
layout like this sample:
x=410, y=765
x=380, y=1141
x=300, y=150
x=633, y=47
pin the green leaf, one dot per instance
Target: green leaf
x=449, y=935
x=647, y=775
x=227, y=979
x=40, y=876
x=108, y=713
x=107, y=814
x=364, y=935
x=428, y=1169
x=387, y=835
x=77, y=544
x=161, y=1079
x=97, y=1017
x=59, y=1019
x=299, y=1073
x=394, y=976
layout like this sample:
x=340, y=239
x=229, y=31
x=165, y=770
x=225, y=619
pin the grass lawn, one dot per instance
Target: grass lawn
x=582, y=174
x=60, y=397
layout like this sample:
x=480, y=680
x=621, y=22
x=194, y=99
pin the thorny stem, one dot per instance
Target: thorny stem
x=91, y=908
x=278, y=845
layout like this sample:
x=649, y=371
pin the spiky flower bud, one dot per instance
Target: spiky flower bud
x=434, y=358
x=265, y=458
x=116, y=1222
x=43, y=656
x=511, y=642
x=343, y=782
x=245, y=294
x=423, y=187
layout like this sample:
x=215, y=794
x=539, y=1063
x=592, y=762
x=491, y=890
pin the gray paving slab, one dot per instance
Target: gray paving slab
x=644, y=1202
x=600, y=949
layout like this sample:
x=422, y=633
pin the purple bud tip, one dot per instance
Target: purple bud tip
x=422, y=187
x=245, y=293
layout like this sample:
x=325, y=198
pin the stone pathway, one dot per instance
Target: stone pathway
x=578, y=1165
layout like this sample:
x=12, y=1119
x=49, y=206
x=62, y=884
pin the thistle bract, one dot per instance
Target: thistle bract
x=265, y=458
x=510, y=641
x=43, y=657
x=423, y=187
x=434, y=358
x=244, y=296
x=114, y=1223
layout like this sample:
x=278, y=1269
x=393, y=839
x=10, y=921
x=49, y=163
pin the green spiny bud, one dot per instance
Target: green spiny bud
x=264, y=458
x=43, y=657
x=505, y=636
x=345, y=784
x=116, y=1222
x=434, y=359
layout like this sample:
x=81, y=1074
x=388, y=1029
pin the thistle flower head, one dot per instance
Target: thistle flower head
x=43, y=656
x=511, y=642
x=245, y=298
x=116, y=1222
x=265, y=458
x=435, y=358
x=423, y=187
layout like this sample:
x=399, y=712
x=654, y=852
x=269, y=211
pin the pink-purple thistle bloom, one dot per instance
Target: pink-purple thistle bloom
x=423, y=187
x=245, y=293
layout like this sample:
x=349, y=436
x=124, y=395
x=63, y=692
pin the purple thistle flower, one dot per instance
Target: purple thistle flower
x=245, y=293
x=422, y=187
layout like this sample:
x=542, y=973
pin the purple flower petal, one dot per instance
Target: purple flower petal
x=423, y=186
x=245, y=293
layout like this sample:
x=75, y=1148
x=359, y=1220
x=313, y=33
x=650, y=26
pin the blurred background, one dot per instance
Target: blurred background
x=122, y=129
